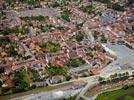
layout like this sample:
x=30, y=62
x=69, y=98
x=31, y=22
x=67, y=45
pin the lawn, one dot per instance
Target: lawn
x=121, y=94
x=75, y=62
x=55, y=70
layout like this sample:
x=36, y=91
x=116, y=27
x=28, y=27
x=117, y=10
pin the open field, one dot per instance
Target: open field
x=120, y=94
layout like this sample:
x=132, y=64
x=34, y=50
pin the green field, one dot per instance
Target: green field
x=120, y=94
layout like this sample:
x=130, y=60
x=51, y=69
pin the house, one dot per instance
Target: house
x=8, y=83
x=72, y=54
x=60, y=63
x=57, y=79
x=94, y=71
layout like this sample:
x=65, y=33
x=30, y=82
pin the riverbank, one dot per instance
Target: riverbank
x=37, y=90
x=118, y=94
x=94, y=91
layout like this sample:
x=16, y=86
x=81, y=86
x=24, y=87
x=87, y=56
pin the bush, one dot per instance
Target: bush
x=8, y=31
x=4, y=90
x=87, y=9
x=125, y=87
x=65, y=15
x=117, y=7
x=2, y=69
x=68, y=78
x=75, y=62
x=55, y=70
x=104, y=1
x=50, y=46
x=79, y=37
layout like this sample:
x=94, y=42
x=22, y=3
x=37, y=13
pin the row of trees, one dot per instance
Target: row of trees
x=8, y=31
x=39, y=18
x=114, y=78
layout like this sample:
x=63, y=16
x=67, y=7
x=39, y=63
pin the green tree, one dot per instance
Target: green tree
x=21, y=80
x=55, y=70
x=103, y=38
x=50, y=46
x=65, y=15
x=79, y=37
x=2, y=69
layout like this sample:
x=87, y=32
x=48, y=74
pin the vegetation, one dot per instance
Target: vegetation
x=103, y=1
x=65, y=15
x=48, y=28
x=114, y=78
x=4, y=41
x=12, y=50
x=8, y=31
x=35, y=76
x=87, y=9
x=117, y=7
x=79, y=36
x=30, y=2
x=78, y=26
x=39, y=18
x=55, y=70
x=50, y=47
x=2, y=69
x=55, y=4
x=21, y=80
x=75, y=62
x=103, y=38
x=122, y=94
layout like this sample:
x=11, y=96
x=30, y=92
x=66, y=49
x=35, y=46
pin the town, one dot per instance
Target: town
x=65, y=44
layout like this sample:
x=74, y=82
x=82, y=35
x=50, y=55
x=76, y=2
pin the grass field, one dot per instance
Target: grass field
x=120, y=94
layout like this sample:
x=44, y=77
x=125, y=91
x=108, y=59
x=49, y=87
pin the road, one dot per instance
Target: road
x=91, y=82
x=39, y=11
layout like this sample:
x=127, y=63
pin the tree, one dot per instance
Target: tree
x=101, y=80
x=117, y=7
x=104, y=1
x=79, y=37
x=75, y=62
x=50, y=46
x=87, y=9
x=78, y=26
x=55, y=4
x=53, y=70
x=103, y=38
x=2, y=69
x=68, y=78
x=4, y=90
x=21, y=80
x=127, y=73
x=65, y=15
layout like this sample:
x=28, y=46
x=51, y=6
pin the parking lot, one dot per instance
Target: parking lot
x=125, y=56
